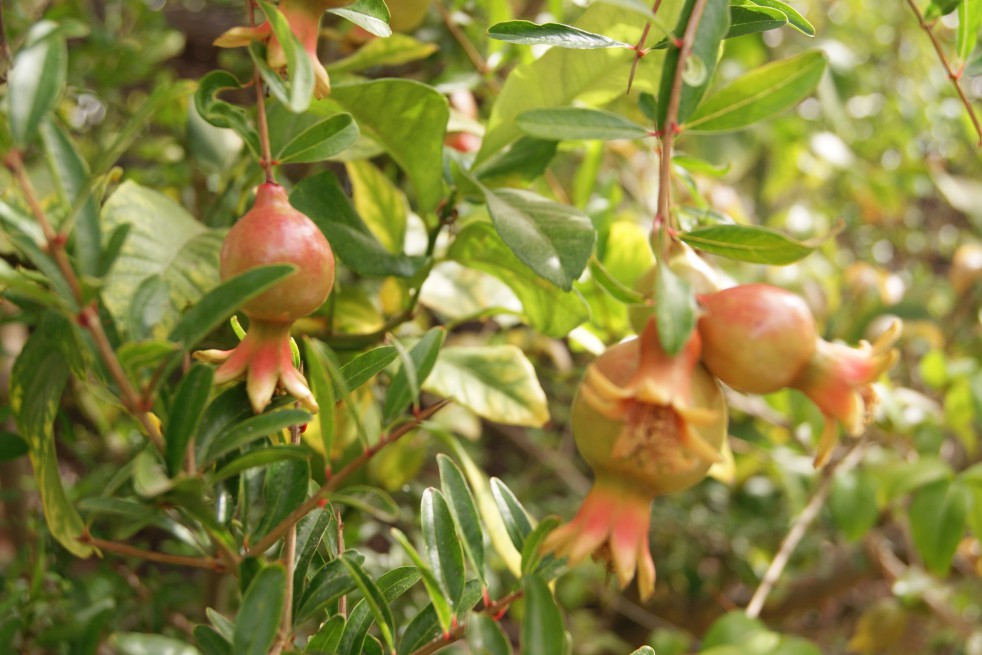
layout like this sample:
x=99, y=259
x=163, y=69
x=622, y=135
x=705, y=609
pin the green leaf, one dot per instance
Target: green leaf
x=737, y=628
x=310, y=532
x=553, y=240
x=751, y=243
x=938, y=8
x=464, y=512
x=367, y=365
x=261, y=457
x=211, y=642
x=937, y=522
x=613, y=286
x=554, y=34
x=441, y=544
x=391, y=584
x=532, y=558
x=644, y=650
x=329, y=583
x=795, y=19
x=259, y=615
x=485, y=636
x=561, y=76
x=760, y=94
x=375, y=601
x=299, y=69
x=322, y=199
x=522, y=162
x=370, y=15
x=71, y=173
x=323, y=390
x=516, y=519
x=36, y=81
x=216, y=306
x=186, y=411
x=320, y=141
x=11, y=446
x=409, y=120
x=251, y=429
x=284, y=489
x=396, y=50
x=495, y=382
x=223, y=114
x=676, y=315
x=543, y=631
x=423, y=357
x=749, y=19
x=380, y=203
x=579, y=123
x=713, y=26
x=37, y=381
x=137, y=643
x=224, y=627
x=425, y=627
x=853, y=504
x=548, y=309
x=969, y=21
x=184, y=256
x=441, y=605
x=328, y=637
x=370, y=500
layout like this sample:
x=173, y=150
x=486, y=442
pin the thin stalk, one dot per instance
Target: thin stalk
x=208, y=563
x=954, y=76
x=263, y=125
x=639, y=50
x=479, y=62
x=800, y=526
x=663, y=218
x=334, y=481
x=88, y=316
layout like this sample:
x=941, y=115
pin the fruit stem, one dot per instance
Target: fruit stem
x=663, y=218
x=267, y=158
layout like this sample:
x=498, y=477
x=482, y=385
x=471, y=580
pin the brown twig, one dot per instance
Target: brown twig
x=663, y=217
x=334, y=481
x=495, y=610
x=639, y=50
x=208, y=563
x=800, y=526
x=263, y=125
x=952, y=74
x=88, y=316
x=479, y=62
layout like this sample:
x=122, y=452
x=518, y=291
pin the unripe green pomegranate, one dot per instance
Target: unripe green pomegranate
x=273, y=232
x=756, y=338
x=648, y=424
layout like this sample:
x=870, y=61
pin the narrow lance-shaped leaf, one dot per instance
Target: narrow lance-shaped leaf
x=579, y=123
x=259, y=615
x=370, y=15
x=760, y=94
x=517, y=521
x=376, y=602
x=969, y=21
x=795, y=19
x=251, y=429
x=423, y=356
x=219, y=113
x=187, y=408
x=554, y=34
x=543, y=632
x=320, y=141
x=261, y=457
x=441, y=605
x=612, y=285
x=713, y=25
x=299, y=69
x=752, y=243
x=442, y=546
x=937, y=522
x=676, y=315
x=323, y=390
x=464, y=511
x=36, y=81
x=751, y=19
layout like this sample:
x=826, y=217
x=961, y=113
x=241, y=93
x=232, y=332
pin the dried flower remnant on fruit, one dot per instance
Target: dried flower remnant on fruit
x=839, y=379
x=647, y=424
x=273, y=232
x=304, y=18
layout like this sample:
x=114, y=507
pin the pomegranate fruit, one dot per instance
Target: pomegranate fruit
x=304, y=18
x=755, y=337
x=273, y=232
x=839, y=379
x=647, y=424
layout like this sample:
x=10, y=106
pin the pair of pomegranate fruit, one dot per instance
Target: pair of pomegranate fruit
x=648, y=423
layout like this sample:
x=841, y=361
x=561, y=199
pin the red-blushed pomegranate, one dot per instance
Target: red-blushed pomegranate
x=756, y=338
x=839, y=379
x=647, y=424
x=304, y=18
x=273, y=232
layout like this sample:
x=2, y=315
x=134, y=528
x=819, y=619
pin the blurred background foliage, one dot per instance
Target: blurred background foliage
x=883, y=147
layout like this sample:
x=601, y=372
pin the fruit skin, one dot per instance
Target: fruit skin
x=648, y=424
x=273, y=232
x=756, y=338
